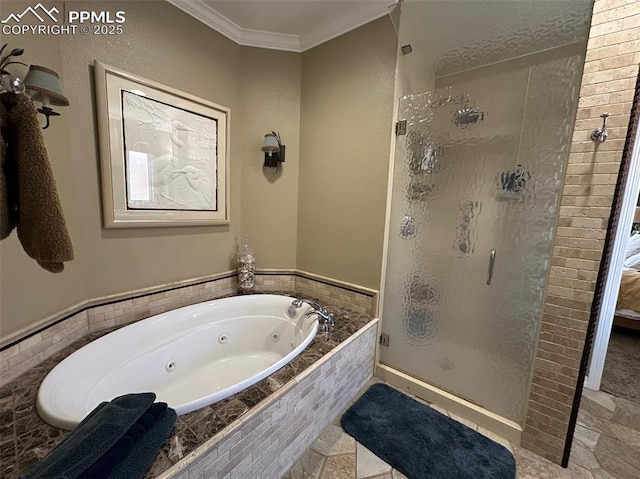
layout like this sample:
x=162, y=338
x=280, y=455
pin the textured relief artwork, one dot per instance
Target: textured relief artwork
x=170, y=154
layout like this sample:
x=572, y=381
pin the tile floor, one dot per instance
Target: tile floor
x=606, y=446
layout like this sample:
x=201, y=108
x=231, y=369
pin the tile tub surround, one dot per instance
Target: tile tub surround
x=59, y=331
x=295, y=390
x=268, y=443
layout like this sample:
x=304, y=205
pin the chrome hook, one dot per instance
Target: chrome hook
x=601, y=134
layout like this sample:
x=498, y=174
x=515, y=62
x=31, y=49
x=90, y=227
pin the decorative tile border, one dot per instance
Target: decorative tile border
x=275, y=280
x=19, y=358
x=338, y=293
x=67, y=313
x=30, y=347
x=268, y=441
x=140, y=307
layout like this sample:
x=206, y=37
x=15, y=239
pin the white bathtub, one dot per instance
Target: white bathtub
x=190, y=357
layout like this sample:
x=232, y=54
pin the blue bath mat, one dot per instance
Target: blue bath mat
x=422, y=443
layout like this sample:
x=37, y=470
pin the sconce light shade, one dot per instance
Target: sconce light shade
x=273, y=150
x=270, y=144
x=43, y=85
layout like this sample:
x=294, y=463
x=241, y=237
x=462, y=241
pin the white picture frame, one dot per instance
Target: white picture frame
x=164, y=154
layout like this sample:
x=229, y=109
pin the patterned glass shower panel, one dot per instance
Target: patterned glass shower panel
x=546, y=136
x=479, y=169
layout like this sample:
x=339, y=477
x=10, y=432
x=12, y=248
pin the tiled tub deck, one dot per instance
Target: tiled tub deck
x=258, y=432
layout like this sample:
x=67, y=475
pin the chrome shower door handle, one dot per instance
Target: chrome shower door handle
x=492, y=260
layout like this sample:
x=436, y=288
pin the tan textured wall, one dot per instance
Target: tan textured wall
x=610, y=72
x=198, y=61
x=164, y=44
x=347, y=98
x=28, y=292
x=271, y=101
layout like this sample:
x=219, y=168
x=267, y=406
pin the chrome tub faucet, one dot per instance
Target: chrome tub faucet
x=327, y=318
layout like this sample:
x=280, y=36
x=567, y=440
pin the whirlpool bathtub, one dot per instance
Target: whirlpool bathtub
x=189, y=357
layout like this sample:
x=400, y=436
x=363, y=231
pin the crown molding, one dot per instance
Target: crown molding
x=365, y=13
x=209, y=17
x=246, y=37
x=272, y=40
x=361, y=15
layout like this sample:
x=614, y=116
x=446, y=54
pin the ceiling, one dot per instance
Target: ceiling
x=291, y=25
x=447, y=35
x=453, y=35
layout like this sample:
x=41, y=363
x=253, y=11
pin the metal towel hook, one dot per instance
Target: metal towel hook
x=601, y=134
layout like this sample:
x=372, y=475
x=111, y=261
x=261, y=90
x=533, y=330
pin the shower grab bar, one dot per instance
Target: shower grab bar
x=492, y=260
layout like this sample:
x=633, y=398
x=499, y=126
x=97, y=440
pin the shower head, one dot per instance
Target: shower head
x=468, y=116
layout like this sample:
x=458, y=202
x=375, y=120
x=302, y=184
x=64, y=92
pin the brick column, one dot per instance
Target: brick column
x=608, y=83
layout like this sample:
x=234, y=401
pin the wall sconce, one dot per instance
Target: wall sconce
x=43, y=85
x=273, y=150
x=8, y=82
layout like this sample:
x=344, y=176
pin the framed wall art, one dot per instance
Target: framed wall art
x=163, y=153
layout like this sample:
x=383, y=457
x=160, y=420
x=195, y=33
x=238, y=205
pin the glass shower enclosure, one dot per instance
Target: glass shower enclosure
x=476, y=189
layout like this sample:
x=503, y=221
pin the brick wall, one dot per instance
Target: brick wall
x=608, y=83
